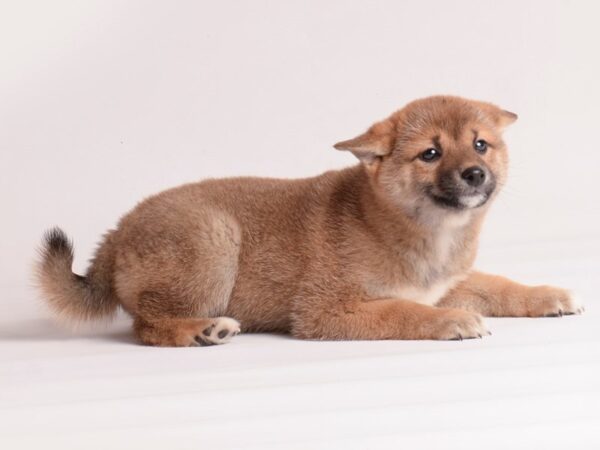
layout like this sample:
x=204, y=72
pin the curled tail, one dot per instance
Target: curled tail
x=71, y=296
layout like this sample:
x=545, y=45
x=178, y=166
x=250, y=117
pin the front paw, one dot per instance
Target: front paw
x=549, y=301
x=456, y=324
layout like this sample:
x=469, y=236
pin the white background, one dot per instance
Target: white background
x=105, y=102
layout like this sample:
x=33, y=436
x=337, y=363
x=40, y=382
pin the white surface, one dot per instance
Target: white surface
x=105, y=102
x=535, y=383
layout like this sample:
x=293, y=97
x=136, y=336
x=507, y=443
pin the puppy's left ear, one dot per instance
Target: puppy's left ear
x=501, y=117
x=506, y=118
x=370, y=146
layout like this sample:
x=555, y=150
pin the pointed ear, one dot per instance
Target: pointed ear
x=506, y=118
x=376, y=142
x=501, y=117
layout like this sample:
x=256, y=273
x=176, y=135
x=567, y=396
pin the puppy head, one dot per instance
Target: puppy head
x=439, y=154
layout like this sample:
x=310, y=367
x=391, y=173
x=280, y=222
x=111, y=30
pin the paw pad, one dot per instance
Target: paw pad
x=219, y=332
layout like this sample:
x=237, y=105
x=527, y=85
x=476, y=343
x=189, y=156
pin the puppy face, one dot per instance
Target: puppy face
x=438, y=154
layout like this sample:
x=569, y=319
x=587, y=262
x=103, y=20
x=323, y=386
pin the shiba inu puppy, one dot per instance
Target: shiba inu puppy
x=381, y=250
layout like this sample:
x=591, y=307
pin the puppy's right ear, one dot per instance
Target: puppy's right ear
x=375, y=143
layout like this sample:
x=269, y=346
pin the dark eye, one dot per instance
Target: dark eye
x=480, y=145
x=431, y=154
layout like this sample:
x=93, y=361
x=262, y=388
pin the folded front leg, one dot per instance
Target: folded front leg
x=345, y=319
x=492, y=295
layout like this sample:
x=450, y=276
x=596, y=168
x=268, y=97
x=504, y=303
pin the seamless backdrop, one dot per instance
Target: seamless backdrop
x=105, y=102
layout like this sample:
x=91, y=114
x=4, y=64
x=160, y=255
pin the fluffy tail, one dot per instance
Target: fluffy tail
x=72, y=297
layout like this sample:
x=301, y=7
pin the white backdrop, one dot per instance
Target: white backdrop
x=105, y=102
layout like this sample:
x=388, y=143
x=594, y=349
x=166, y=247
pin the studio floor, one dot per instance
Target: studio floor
x=535, y=383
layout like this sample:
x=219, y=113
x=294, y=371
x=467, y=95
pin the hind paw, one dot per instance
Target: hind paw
x=220, y=331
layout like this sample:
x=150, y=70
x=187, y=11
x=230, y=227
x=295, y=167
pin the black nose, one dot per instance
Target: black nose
x=474, y=176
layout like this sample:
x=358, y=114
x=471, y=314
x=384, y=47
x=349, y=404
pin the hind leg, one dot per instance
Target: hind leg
x=176, y=279
x=167, y=317
x=186, y=332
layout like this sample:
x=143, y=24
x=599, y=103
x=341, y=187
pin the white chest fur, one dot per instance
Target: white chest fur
x=440, y=255
x=428, y=296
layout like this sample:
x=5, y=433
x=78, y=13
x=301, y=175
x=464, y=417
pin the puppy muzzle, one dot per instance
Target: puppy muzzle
x=461, y=192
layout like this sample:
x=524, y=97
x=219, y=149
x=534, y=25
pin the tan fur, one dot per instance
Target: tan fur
x=360, y=253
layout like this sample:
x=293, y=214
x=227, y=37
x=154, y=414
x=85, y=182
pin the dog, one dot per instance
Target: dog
x=380, y=250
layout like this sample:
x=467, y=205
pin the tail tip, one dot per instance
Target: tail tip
x=56, y=242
